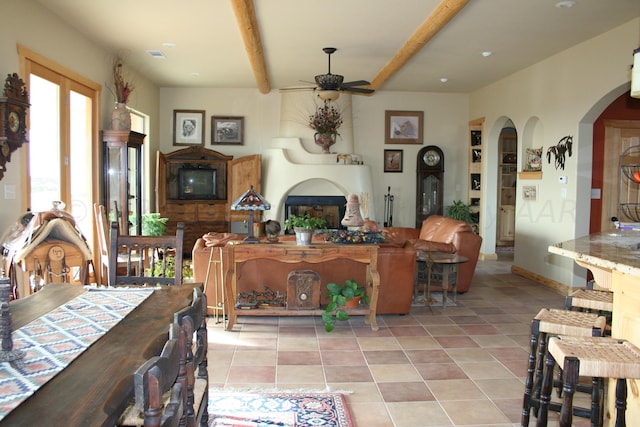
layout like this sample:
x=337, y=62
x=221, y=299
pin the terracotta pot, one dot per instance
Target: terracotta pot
x=353, y=303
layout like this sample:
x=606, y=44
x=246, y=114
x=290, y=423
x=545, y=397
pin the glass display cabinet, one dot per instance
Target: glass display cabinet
x=122, y=158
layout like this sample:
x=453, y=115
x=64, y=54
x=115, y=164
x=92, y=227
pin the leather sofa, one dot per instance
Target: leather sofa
x=396, y=262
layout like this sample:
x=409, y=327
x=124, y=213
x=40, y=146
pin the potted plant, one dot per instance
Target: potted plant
x=304, y=226
x=340, y=297
x=153, y=224
x=462, y=212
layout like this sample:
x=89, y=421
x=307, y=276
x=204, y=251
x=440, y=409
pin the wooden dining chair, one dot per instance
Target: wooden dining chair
x=193, y=341
x=102, y=232
x=160, y=397
x=145, y=260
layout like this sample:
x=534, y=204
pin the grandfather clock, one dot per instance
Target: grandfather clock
x=430, y=175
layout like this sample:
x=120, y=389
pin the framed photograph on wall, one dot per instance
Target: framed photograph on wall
x=403, y=127
x=188, y=127
x=227, y=130
x=475, y=182
x=529, y=192
x=393, y=160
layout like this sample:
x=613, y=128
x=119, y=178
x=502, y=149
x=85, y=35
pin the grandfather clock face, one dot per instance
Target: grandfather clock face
x=429, y=183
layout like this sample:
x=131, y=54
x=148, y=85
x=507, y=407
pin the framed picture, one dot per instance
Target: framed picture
x=475, y=182
x=227, y=130
x=529, y=192
x=393, y=160
x=403, y=127
x=188, y=127
x=477, y=155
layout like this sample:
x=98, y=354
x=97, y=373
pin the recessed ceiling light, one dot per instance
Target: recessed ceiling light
x=487, y=53
x=156, y=54
x=195, y=74
x=170, y=45
x=444, y=79
x=565, y=4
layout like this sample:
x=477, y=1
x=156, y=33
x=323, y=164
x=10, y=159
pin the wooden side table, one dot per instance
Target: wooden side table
x=449, y=263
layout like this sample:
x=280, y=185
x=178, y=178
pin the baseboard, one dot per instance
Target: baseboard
x=544, y=281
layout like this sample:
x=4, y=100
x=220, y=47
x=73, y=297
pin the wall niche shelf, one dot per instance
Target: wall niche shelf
x=530, y=175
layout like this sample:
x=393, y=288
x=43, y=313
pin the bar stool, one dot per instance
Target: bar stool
x=588, y=299
x=593, y=357
x=554, y=322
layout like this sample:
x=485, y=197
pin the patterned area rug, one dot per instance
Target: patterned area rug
x=253, y=409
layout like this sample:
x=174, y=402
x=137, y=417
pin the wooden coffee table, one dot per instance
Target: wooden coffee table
x=449, y=263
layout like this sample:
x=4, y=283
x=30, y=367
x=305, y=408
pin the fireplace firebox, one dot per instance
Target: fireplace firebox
x=331, y=208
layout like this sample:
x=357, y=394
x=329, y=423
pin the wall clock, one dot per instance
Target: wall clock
x=430, y=174
x=13, y=118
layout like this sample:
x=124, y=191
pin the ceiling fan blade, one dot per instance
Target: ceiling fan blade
x=357, y=90
x=356, y=83
x=299, y=88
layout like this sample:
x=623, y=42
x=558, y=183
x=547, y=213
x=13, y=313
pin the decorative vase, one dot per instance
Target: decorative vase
x=325, y=140
x=121, y=117
x=303, y=236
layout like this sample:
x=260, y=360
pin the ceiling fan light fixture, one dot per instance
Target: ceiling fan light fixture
x=635, y=74
x=328, y=95
x=329, y=81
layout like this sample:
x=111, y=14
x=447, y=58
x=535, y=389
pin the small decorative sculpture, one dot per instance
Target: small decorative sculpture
x=7, y=354
x=352, y=216
x=272, y=228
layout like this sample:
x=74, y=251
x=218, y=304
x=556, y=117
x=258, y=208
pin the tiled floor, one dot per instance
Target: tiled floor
x=463, y=366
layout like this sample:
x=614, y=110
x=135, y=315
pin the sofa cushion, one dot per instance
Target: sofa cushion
x=431, y=246
x=437, y=228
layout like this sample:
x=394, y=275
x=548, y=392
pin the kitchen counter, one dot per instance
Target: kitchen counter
x=614, y=259
x=615, y=251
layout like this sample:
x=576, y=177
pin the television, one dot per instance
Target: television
x=197, y=183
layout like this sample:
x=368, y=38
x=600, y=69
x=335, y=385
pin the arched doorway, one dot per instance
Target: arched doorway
x=507, y=179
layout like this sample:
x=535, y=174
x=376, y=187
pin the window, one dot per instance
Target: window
x=63, y=151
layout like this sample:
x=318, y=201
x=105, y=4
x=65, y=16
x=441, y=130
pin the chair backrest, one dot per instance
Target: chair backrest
x=102, y=232
x=192, y=321
x=153, y=379
x=145, y=259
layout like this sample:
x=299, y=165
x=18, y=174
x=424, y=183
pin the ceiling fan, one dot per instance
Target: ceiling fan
x=330, y=85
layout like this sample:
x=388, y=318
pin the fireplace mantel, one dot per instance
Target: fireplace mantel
x=288, y=164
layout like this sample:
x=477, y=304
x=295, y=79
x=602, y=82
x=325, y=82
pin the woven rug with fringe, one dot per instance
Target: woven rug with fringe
x=286, y=409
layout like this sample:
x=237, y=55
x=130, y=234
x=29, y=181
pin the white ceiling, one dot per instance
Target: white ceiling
x=367, y=33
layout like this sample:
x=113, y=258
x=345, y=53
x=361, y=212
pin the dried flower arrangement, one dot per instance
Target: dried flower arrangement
x=122, y=87
x=326, y=119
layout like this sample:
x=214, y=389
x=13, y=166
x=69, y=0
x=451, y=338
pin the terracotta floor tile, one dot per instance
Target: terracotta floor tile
x=385, y=357
x=461, y=366
x=405, y=392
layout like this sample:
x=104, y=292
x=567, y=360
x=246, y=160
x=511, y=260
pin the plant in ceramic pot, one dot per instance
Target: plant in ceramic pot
x=325, y=121
x=304, y=226
x=340, y=297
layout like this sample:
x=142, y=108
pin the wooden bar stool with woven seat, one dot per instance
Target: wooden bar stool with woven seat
x=554, y=322
x=593, y=357
x=589, y=299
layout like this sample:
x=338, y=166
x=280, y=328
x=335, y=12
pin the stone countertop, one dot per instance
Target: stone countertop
x=615, y=250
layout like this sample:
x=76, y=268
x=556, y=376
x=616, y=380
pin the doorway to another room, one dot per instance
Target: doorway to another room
x=507, y=180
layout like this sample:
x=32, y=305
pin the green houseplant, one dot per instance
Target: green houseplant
x=153, y=224
x=304, y=226
x=339, y=296
x=462, y=212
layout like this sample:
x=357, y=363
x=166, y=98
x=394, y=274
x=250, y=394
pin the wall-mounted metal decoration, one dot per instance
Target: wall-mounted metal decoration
x=560, y=151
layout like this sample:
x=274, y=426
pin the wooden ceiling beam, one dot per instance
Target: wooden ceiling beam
x=248, y=24
x=441, y=15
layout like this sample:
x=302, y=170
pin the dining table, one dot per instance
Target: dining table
x=96, y=386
